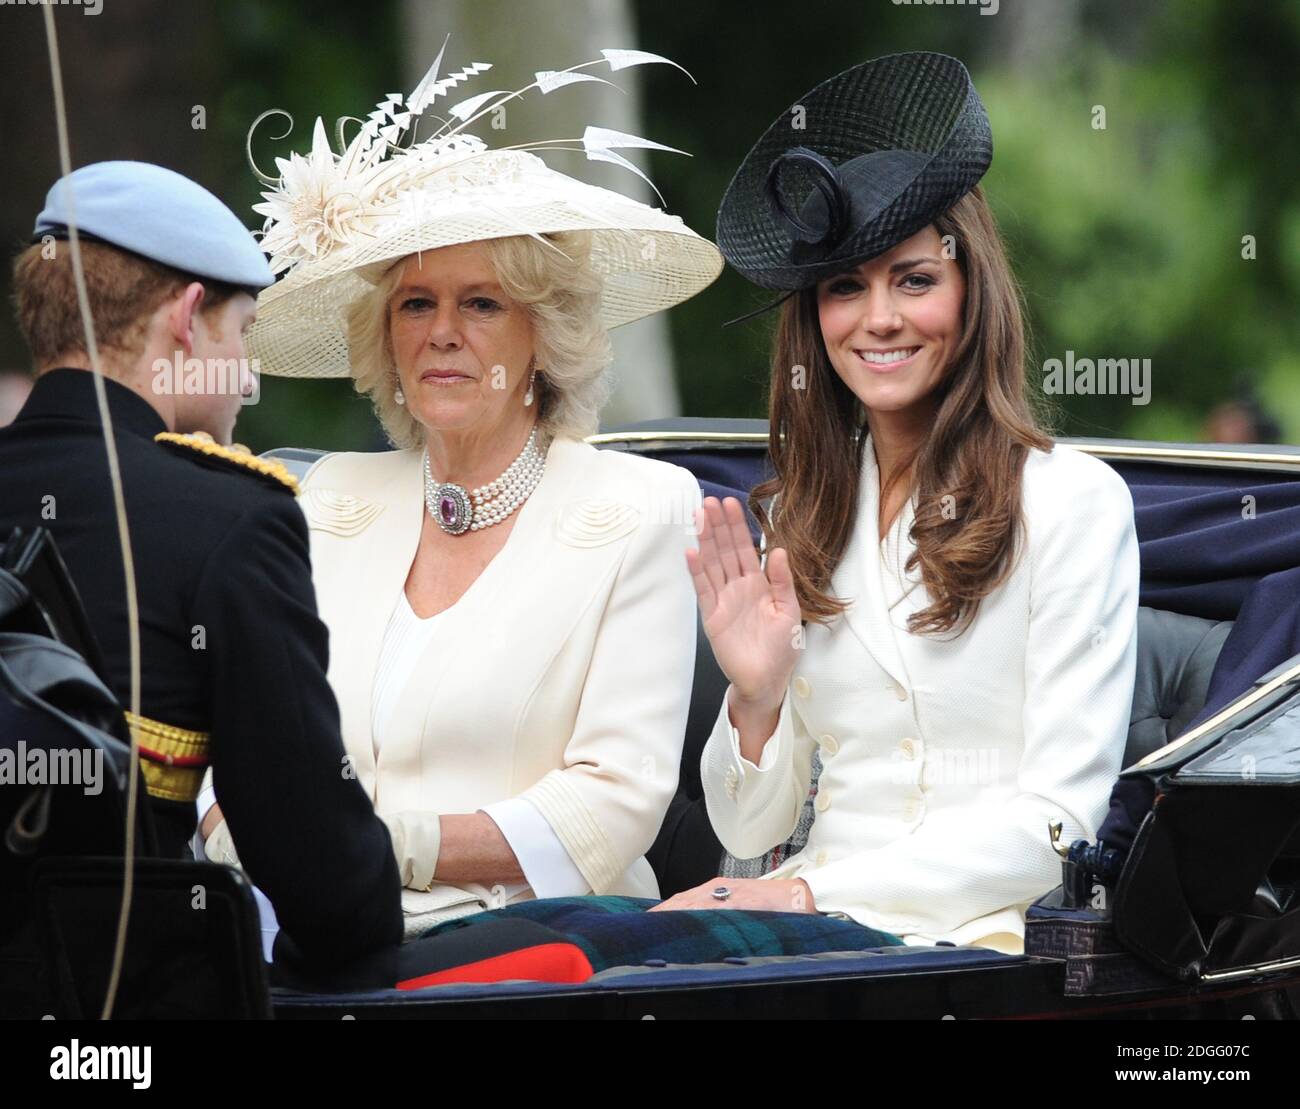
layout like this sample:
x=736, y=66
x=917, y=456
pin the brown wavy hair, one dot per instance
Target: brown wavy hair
x=975, y=451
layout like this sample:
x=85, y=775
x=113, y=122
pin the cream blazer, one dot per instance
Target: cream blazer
x=562, y=675
x=943, y=762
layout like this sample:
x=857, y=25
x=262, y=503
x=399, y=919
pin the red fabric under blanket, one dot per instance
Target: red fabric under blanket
x=496, y=951
x=547, y=962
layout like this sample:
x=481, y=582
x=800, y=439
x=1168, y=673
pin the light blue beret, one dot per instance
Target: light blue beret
x=157, y=213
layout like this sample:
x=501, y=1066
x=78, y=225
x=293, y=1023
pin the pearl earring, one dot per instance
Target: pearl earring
x=528, y=396
x=399, y=396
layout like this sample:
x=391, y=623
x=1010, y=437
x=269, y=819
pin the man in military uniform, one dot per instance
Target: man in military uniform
x=233, y=656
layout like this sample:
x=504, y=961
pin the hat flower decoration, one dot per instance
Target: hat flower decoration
x=339, y=216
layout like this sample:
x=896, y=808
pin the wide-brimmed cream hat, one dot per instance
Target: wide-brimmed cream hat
x=338, y=222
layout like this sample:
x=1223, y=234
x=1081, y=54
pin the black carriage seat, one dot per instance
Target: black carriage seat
x=1176, y=657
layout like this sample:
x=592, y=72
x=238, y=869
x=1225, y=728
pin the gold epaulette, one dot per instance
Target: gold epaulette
x=172, y=759
x=246, y=461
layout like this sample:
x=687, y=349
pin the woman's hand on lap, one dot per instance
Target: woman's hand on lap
x=773, y=895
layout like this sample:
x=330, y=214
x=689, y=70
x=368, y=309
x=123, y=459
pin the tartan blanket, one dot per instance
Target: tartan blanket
x=617, y=931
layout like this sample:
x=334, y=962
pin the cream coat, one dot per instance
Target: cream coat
x=562, y=675
x=944, y=762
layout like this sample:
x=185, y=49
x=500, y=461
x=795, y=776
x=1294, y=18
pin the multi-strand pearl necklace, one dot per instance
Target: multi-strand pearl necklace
x=457, y=510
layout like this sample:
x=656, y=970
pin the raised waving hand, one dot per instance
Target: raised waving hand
x=750, y=613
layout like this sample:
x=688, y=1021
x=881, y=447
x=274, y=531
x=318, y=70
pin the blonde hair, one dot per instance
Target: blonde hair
x=562, y=294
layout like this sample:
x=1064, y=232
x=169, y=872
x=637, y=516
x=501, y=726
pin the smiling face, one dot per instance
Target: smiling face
x=891, y=327
x=461, y=345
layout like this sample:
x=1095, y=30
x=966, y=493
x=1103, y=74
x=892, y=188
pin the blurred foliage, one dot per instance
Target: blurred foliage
x=1127, y=241
x=329, y=58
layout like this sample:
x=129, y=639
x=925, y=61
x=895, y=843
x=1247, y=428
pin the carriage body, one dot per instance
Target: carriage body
x=1200, y=918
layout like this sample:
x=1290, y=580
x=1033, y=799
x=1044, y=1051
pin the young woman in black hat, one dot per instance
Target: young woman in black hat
x=939, y=650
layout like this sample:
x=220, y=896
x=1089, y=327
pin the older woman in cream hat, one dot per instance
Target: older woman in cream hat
x=512, y=632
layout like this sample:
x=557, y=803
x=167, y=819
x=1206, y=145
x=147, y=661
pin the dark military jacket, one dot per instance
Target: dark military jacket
x=233, y=655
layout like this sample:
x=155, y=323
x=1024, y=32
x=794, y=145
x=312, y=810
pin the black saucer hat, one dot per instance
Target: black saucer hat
x=884, y=149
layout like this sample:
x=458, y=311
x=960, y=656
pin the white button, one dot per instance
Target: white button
x=801, y=687
x=822, y=858
x=900, y=693
x=823, y=801
x=908, y=747
x=829, y=745
x=729, y=781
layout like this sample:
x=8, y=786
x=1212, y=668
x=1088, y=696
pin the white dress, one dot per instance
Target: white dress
x=549, y=870
x=558, y=684
x=547, y=866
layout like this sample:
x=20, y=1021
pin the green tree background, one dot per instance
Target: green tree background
x=1127, y=240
